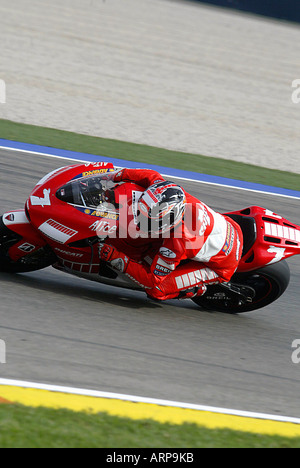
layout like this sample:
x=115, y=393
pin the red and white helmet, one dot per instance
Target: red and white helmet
x=161, y=208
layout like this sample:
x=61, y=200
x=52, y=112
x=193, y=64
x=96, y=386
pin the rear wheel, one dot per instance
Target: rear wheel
x=269, y=283
x=37, y=260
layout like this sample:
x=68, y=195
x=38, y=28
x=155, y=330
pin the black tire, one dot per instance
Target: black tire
x=38, y=260
x=269, y=284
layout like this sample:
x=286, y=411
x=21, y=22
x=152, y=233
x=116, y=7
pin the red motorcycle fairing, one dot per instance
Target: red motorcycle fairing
x=72, y=228
x=29, y=239
x=47, y=220
x=268, y=237
x=68, y=228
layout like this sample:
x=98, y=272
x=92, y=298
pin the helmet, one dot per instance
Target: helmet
x=161, y=208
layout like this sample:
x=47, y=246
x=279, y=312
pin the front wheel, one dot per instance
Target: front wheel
x=269, y=283
x=37, y=260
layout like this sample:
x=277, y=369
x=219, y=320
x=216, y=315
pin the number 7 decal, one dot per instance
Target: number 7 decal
x=279, y=254
x=38, y=201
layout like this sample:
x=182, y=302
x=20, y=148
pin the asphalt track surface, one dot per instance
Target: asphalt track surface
x=64, y=330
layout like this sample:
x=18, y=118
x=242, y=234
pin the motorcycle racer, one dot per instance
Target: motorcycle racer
x=169, y=243
x=194, y=245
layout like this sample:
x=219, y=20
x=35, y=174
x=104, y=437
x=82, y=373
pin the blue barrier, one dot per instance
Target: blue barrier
x=288, y=10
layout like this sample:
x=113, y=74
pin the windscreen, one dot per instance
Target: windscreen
x=89, y=192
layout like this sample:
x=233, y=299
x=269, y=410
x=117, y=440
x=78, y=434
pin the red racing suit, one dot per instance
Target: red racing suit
x=204, y=249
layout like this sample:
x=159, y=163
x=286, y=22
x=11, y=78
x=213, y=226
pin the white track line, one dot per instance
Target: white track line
x=38, y=153
x=151, y=401
x=272, y=194
x=168, y=175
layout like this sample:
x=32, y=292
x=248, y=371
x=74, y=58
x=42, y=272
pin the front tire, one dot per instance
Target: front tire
x=37, y=260
x=269, y=283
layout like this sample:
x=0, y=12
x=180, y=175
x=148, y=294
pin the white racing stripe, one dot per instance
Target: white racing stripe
x=282, y=231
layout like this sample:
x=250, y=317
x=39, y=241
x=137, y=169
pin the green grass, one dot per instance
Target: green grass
x=25, y=427
x=146, y=154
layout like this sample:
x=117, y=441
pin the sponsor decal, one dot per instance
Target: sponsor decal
x=167, y=252
x=137, y=282
x=95, y=172
x=16, y=217
x=70, y=254
x=57, y=231
x=10, y=217
x=26, y=247
x=160, y=273
x=227, y=248
x=103, y=227
x=99, y=213
x=161, y=269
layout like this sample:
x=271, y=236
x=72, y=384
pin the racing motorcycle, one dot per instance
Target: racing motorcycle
x=74, y=209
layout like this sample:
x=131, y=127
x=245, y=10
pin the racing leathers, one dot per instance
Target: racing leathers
x=204, y=249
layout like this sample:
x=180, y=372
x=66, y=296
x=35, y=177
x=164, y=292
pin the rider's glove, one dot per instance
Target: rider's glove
x=117, y=260
x=118, y=176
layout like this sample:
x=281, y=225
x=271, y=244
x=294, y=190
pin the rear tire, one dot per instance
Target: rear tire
x=37, y=260
x=269, y=283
